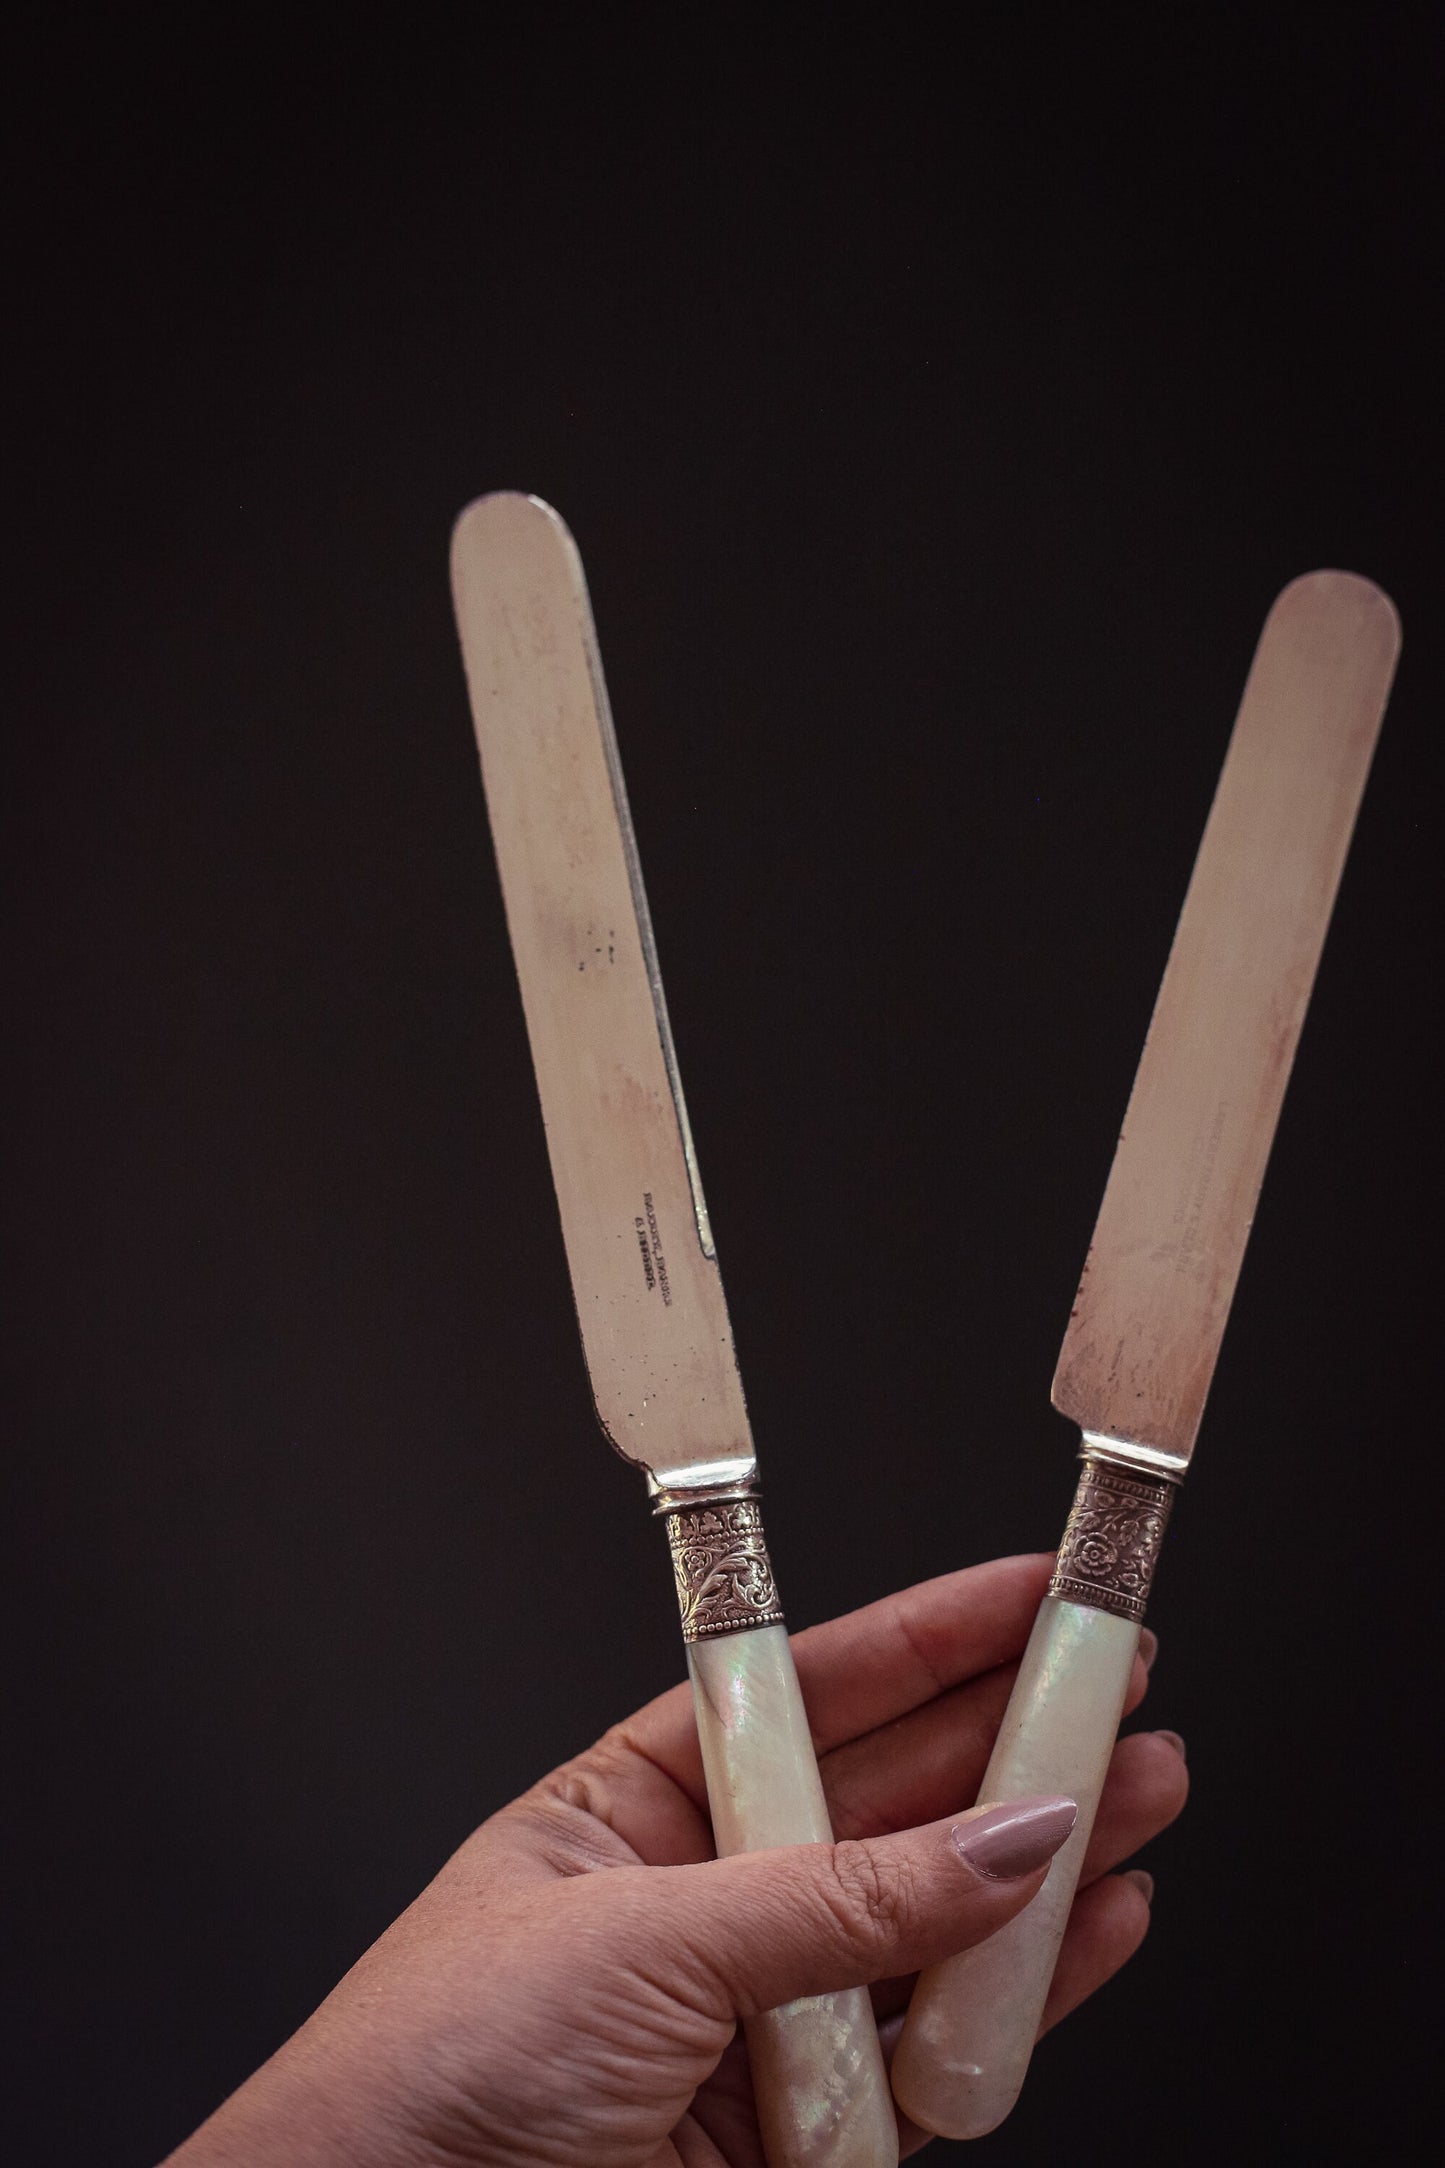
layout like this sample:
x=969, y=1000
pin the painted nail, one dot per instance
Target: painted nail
x=1175, y=1741
x=1015, y=1839
x=1142, y=1880
x=1148, y=1646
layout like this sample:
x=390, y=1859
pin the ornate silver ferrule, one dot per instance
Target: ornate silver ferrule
x=720, y=1560
x=1112, y=1539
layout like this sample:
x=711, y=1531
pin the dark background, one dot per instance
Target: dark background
x=937, y=425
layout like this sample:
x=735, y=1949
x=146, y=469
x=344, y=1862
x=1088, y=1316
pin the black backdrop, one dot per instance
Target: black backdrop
x=937, y=427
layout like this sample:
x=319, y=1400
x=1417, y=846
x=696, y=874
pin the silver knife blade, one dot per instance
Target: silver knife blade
x=1141, y=1345
x=645, y=1276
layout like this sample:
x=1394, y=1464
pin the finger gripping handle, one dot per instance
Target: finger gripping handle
x=973, y=2020
x=818, y=2076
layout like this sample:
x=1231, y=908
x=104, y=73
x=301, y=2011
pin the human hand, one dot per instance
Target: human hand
x=566, y=1993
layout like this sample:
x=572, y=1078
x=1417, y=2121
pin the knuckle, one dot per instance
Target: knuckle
x=870, y=1905
x=568, y=1788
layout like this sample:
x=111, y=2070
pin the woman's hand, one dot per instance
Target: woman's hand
x=567, y=1990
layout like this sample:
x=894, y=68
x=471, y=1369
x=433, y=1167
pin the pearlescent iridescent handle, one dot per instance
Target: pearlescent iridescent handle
x=973, y=2020
x=818, y=2074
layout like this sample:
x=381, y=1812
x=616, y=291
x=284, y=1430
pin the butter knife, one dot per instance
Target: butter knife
x=644, y=1269
x=1141, y=1344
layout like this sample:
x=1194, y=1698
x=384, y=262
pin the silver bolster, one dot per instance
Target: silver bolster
x=1112, y=1539
x=719, y=1560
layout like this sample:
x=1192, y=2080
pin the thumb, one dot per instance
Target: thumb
x=762, y=1928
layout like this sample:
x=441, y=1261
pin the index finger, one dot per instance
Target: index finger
x=872, y=1666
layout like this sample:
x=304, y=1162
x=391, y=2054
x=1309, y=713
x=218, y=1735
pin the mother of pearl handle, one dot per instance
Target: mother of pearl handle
x=973, y=2020
x=818, y=2075
x=818, y=2078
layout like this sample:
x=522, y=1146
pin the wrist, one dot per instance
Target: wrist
x=313, y=2105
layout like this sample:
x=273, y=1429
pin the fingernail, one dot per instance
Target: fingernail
x=1143, y=1881
x=1148, y=1646
x=1012, y=1840
x=1175, y=1741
